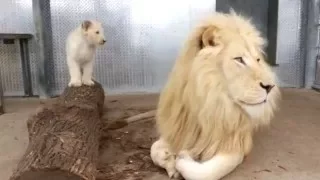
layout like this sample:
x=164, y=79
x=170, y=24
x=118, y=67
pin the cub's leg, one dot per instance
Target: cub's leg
x=213, y=169
x=163, y=157
x=87, y=74
x=75, y=72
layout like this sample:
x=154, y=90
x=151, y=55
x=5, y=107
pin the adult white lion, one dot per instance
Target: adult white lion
x=219, y=92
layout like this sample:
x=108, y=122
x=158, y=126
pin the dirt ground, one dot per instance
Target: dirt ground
x=288, y=150
x=124, y=152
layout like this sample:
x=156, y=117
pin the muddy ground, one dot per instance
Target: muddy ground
x=125, y=149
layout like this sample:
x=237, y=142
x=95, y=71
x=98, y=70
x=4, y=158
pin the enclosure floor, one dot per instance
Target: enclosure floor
x=288, y=150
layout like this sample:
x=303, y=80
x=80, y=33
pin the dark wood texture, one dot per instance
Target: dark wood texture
x=64, y=137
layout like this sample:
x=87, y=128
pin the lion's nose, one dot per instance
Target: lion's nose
x=267, y=87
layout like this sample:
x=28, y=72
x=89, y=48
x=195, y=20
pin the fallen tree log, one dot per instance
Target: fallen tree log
x=64, y=137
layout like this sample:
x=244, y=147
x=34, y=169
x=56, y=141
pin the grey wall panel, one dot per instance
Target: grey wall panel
x=257, y=10
x=15, y=17
x=291, y=42
x=312, y=73
x=143, y=41
x=291, y=34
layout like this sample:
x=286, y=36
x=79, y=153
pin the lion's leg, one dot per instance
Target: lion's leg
x=162, y=156
x=213, y=169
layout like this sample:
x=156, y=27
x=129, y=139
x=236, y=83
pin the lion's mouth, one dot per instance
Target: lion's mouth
x=254, y=104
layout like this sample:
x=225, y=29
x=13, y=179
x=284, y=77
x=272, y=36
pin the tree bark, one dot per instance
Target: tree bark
x=64, y=137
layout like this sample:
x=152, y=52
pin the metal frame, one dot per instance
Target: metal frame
x=43, y=36
x=1, y=98
x=313, y=59
x=25, y=62
x=316, y=84
x=304, y=40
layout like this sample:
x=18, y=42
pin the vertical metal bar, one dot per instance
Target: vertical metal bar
x=272, y=30
x=43, y=36
x=312, y=75
x=301, y=70
x=316, y=84
x=25, y=62
x=1, y=98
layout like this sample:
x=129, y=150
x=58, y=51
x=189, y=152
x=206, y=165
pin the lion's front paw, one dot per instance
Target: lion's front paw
x=88, y=82
x=75, y=83
x=184, y=155
x=162, y=156
x=167, y=160
x=183, y=165
x=173, y=173
x=184, y=162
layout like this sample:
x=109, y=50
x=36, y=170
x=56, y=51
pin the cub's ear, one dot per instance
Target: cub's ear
x=86, y=24
x=210, y=37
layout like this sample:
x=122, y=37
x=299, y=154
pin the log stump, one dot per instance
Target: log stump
x=64, y=137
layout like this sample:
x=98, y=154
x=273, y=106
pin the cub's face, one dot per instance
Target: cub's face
x=94, y=32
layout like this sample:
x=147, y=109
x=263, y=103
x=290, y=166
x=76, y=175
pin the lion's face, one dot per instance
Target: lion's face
x=246, y=78
x=249, y=81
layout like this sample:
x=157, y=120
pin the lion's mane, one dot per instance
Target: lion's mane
x=194, y=112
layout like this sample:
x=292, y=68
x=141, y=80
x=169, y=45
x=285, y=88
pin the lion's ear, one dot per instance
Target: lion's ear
x=210, y=37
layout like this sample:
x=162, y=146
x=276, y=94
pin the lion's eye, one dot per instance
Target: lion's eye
x=240, y=60
x=97, y=32
x=258, y=59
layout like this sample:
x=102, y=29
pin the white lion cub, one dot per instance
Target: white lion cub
x=81, y=47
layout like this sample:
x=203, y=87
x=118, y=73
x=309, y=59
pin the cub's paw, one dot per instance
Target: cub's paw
x=88, y=82
x=75, y=83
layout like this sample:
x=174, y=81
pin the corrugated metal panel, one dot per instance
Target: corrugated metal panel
x=16, y=17
x=291, y=37
x=291, y=43
x=143, y=39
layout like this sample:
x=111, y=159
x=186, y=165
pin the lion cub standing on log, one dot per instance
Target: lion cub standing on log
x=219, y=92
x=81, y=47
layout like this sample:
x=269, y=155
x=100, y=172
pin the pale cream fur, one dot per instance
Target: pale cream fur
x=162, y=156
x=203, y=111
x=81, y=45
